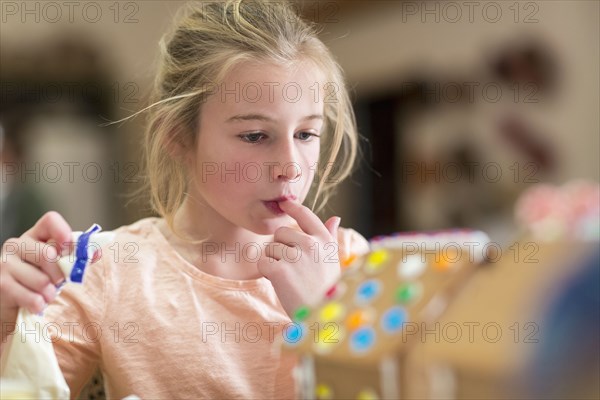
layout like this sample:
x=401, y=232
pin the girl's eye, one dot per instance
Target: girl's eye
x=257, y=137
x=252, y=137
x=306, y=136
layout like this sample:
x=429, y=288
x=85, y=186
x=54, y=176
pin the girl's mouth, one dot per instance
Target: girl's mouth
x=273, y=206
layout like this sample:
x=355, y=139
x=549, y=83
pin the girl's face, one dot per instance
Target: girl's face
x=258, y=142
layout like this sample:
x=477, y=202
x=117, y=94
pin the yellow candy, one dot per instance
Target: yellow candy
x=332, y=311
x=367, y=394
x=323, y=392
x=378, y=257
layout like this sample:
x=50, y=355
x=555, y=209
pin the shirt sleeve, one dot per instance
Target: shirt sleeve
x=75, y=320
x=351, y=243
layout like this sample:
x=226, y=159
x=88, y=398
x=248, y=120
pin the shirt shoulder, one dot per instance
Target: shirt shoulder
x=133, y=242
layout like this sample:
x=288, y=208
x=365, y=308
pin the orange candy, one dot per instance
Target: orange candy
x=357, y=319
x=445, y=260
x=349, y=260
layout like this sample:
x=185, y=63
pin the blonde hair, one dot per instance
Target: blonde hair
x=209, y=39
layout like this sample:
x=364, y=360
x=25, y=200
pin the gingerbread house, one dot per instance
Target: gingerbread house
x=437, y=315
x=355, y=343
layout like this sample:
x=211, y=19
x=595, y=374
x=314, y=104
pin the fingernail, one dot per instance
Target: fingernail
x=339, y=220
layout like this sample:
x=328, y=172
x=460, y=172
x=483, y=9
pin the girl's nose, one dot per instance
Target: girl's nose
x=287, y=171
x=286, y=167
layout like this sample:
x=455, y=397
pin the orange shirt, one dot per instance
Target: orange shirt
x=158, y=327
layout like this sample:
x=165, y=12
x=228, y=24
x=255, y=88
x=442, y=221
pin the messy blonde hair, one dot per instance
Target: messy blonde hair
x=209, y=39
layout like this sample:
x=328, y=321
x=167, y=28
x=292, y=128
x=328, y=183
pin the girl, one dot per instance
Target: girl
x=250, y=109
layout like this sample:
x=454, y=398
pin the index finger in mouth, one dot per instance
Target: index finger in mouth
x=306, y=219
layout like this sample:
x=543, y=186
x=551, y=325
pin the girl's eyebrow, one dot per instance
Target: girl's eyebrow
x=261, y=117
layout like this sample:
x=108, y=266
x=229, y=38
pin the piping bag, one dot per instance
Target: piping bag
x=28, y=360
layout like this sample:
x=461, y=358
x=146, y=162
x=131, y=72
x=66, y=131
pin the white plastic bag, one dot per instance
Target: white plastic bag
x=29, y=357
x=28, y=360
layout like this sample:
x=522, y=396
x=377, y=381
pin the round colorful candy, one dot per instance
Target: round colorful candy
x=393, y=319
x=367, y=291
x=332, y=311
x=409, y=292
x=362, y=340
x=447, y=258
x=411, y=266
x=323, y=392
x=301, y=313
x=376, y=260
x=367, y=394
x=346, y=262
x=293, y=333
x=359, y=318
x=336, y=291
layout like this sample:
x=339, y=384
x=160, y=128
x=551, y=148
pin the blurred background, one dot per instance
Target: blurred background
x=463, y=105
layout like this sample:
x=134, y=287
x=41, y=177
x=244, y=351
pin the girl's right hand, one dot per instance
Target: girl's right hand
x=29, y=271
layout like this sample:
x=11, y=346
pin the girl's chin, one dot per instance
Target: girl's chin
x=269, y=226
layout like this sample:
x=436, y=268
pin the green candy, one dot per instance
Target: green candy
x=301, y=313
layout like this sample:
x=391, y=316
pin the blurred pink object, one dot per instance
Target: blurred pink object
x=570, y=211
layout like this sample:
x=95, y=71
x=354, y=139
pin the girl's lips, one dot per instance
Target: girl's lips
x=283, y=198
x=273, y=206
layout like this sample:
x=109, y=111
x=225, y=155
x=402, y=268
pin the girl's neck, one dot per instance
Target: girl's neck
x=228, y=251
x=200, y=221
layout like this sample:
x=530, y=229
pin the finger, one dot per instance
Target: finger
x=34, y=280
x=306, y=219
x=267, y=267
x=97, y=255
x=42, y=255
x=332, y=226
x=51, y=227
x=274, y=250
x=293, y=238
x=23, y=297
x=294, y=226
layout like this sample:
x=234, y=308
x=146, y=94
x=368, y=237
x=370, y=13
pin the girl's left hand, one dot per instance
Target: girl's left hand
x=302, y=265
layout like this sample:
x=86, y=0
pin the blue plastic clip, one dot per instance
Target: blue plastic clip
x=81, y=253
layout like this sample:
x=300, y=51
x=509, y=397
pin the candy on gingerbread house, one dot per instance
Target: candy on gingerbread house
x=353, y=344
